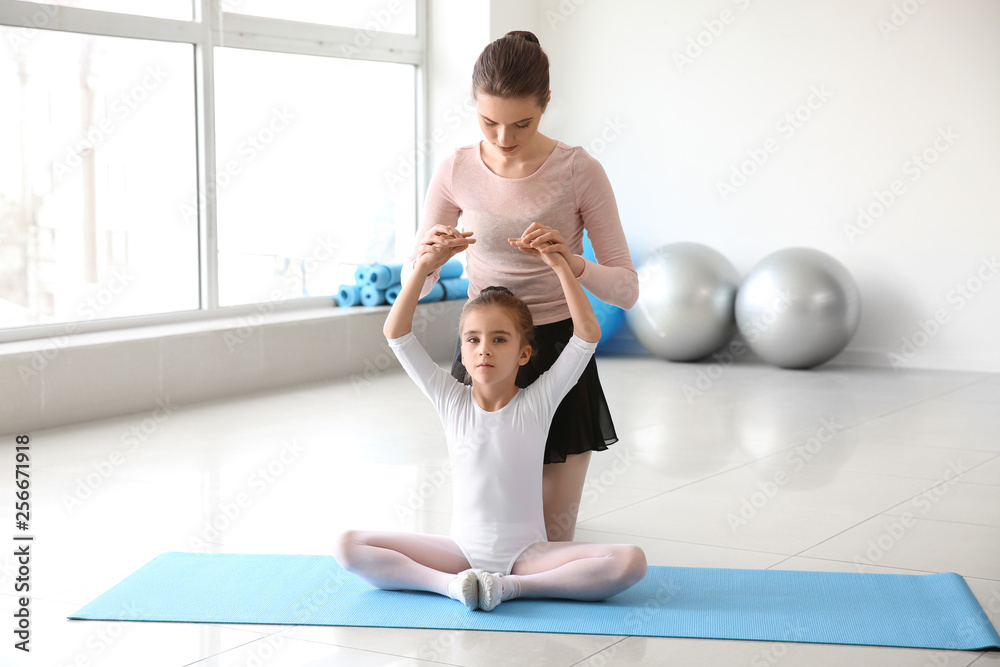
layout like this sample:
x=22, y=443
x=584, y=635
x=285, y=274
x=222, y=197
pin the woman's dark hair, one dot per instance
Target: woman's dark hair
x=504, y=298
x=513, y=66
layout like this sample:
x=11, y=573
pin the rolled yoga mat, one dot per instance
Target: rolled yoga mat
x=451, y=269
x=382, y=276
x=361, y=274
x=372, y=296
x=933, y=611
x=348, y=295
x=447, y=289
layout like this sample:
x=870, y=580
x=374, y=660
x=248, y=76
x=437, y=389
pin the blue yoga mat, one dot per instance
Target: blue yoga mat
x=935, y=611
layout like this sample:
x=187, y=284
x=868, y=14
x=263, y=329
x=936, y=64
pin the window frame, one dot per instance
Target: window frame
x=210, y=28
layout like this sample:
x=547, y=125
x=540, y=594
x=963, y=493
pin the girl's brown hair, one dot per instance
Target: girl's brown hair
x=513, y=66
x=518, y=310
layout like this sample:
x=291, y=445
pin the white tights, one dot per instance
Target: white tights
x=570, y=570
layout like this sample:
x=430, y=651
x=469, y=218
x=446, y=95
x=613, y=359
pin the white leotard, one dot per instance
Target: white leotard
x=496, y=457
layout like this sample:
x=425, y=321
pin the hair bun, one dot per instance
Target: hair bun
x=525, y=35
x=496, y=288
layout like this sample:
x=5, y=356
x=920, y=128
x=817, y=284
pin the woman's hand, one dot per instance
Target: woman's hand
x=441, y=243
x=547, y=242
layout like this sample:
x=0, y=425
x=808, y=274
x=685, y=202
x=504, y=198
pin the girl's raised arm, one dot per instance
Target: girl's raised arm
x=400, y=319
x=549, y=246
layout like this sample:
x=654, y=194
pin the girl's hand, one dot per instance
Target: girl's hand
x=549, y=244
x=441, y=243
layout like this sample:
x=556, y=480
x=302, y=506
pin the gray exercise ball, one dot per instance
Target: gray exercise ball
x=685, y=306
x=798, y=307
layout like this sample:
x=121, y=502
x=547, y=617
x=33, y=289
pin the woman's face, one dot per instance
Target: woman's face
x=509, y=124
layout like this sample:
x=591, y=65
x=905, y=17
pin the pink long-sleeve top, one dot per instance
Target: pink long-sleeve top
x=570, y=192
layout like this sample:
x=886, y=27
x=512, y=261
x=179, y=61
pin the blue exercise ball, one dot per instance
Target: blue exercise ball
x=798, y=308
x=685, y=306
x=609, y=317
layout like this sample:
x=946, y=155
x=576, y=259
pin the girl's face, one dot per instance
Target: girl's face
x=509, y=124
x=492, y=348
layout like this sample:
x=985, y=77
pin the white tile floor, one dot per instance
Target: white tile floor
x=693, y=481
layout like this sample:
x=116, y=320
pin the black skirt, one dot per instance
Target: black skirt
x=582, y=422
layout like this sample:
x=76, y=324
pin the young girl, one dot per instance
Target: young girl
x=496, y=436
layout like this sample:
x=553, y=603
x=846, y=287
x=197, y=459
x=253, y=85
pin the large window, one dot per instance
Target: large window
x=205, y=155
x=96, y=132
x=307, y=163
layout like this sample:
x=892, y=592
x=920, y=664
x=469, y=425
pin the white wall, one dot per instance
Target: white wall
x=458, y=31
x=668, y=132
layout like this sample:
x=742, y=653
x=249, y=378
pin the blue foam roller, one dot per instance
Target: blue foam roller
x=451, y=269
x=361, y=274
x=348, y=295
x=383, y=276
x=456, y=288
x=372, y=296
x=392, y=293
x=436, y=294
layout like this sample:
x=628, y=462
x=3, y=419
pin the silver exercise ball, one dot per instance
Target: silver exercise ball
x=685, y=306
x=798, y=308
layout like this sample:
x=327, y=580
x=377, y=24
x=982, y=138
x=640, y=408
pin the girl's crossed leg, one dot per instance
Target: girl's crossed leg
x=576, y=570
x=401, y=561
x=569, y=570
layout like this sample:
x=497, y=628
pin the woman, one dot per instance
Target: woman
x=518, y=181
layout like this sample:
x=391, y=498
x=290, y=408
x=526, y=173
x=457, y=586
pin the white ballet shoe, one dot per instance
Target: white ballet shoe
x=490, y=590
x=465, y=588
